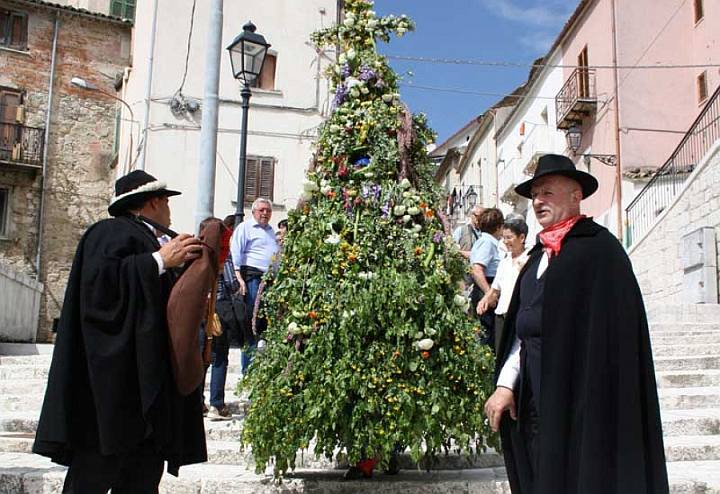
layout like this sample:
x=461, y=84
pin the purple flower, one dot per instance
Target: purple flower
x=385, y=210
x=340, y=95
x=366, y=73
x=438, y=237
x=380, y=84
x=345, y=71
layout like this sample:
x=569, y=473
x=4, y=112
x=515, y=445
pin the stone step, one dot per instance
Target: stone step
x=687, y=398
x=26, y=348
x=23, y=372
x=687, y=363
x=31, y=474
x=694, y=338
x=693, y=422
x=698, y=313
x=694, y=477
x=690, y=378
x=21, y=387
x=692, y=448
x=683, y=328
x=22, y=421
x=42, y=360
x=686, y=350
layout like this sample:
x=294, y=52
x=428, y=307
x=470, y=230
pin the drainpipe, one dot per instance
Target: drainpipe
x=618, y=160
x=46, y=146
x=148, y=87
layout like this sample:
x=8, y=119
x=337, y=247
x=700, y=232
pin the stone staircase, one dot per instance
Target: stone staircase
x=686, y=345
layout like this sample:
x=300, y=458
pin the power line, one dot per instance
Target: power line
x=506, y=64
x=187, y=53
x=472, y=92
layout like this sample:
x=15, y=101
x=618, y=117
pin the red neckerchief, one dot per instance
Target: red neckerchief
x=552, y=236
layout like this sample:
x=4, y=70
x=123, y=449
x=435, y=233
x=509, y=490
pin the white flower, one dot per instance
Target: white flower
x=349, y=22
x=351, y=82
x=325, y=189
x=407, y=218
x=406, y=194
x=293, y=328
x=413, y=210
x=401, y=31
x=399, y=210
x=366, y=276
x=333, y=239
x=364, y=90
x=354, y=92
x=310, y=186
x=306, y=196
x=371, y=23
x=460, y=300
x=387, y=98
x=369, y=174
x=430, y=332
x=351, y=54
x=405, y=184
x=342, y=58
x=416, y=228
x=425, y=344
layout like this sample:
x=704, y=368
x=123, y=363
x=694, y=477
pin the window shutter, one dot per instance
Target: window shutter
x=18, y=30
x=267, y=177
x=4, y=27
x=267, y=75
x=116, y=8
x=251, y=179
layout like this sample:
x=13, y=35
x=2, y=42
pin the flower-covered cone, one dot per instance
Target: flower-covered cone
x=369, y=345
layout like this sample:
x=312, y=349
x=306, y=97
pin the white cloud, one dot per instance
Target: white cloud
x=538, y=42
x=542, y=14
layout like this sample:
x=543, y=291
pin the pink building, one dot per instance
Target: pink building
x=664, y=52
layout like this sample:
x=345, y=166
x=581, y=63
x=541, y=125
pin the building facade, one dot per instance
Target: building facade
x=57, y=141
x=287, y=106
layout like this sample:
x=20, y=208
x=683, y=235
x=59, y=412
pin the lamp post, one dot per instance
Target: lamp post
x=247, y=56
x=88, y=86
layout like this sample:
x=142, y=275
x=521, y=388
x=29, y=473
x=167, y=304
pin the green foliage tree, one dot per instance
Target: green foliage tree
x=368, y=342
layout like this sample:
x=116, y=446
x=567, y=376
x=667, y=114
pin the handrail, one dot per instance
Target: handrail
x=667, y=181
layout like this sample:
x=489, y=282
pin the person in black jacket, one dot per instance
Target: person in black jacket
x=576, y=400
x=112, y=411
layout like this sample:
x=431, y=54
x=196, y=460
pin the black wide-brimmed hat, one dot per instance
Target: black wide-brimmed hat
x=134, y=185
x=556, y=164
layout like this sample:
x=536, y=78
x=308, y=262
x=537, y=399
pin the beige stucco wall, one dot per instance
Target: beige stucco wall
x=282, y=123
x=657, y=256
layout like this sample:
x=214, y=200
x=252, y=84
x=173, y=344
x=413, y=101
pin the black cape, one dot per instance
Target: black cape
x=600, y=429
x=110, y=385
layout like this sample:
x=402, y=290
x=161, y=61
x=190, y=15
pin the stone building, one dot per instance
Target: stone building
x=58, y=145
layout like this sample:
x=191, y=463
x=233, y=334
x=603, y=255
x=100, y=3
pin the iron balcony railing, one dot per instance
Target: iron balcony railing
x=576, y=99
x=667, y=181
x=20, y=144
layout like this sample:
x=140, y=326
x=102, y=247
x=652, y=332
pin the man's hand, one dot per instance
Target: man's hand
x=242, y=290
x=502, y=400
x=483, y=306
x=179, y=250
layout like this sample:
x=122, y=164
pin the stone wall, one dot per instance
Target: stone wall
x=81, y=156
x=657, y=256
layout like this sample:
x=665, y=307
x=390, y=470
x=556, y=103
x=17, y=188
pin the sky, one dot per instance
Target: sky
x=517, y=31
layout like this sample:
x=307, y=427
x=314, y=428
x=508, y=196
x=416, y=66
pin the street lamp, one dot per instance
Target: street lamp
x=88, y=86
x=247, y=56
x=471, y=197
x=574, y=138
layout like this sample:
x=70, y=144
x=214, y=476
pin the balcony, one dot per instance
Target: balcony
x=21, y=146
x=577, y=99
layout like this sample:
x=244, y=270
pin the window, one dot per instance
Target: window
x=13, y=29
x=266, y=79
x=4, y=201
x=259, y=178
x=10, y=115
x=698, y=10
x=583, y=74
x=702, y=89
x=123, y=8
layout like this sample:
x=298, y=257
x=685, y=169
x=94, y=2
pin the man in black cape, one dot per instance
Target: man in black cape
x=112, y=412
x=575, y=357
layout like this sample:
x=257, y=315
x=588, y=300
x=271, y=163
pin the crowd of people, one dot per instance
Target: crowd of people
x=575, y=403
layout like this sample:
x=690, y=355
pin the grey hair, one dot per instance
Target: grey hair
x=259, y=201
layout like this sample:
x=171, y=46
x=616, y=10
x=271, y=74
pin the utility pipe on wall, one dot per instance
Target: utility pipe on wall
x=148, y=87
x=46, y=146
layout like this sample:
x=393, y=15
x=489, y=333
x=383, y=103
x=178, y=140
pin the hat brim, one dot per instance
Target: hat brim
x=119, y=205
x=588, y=183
